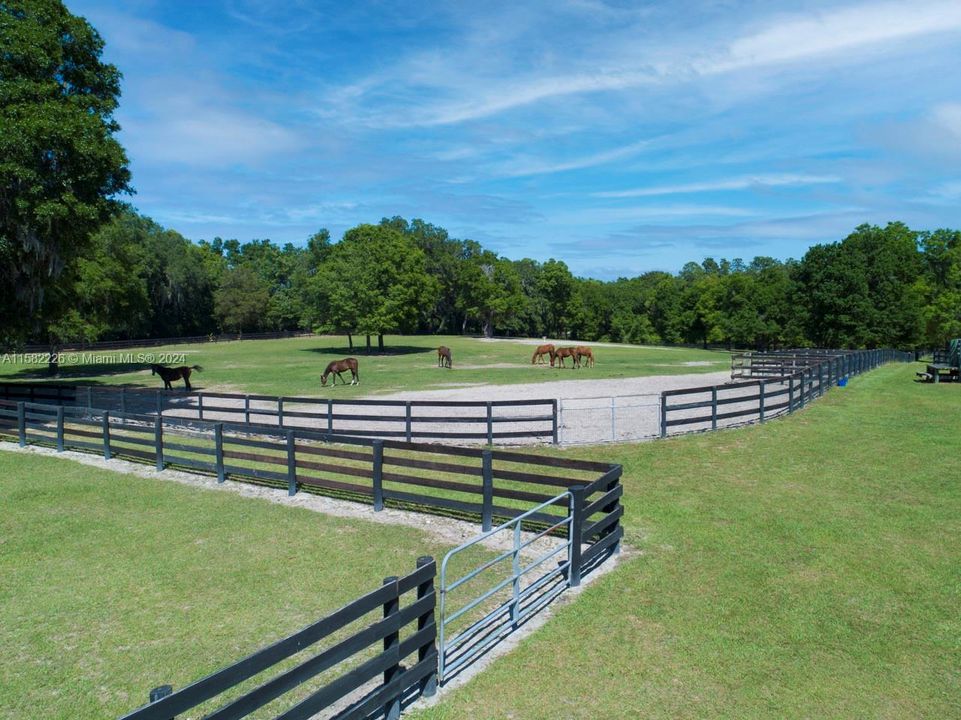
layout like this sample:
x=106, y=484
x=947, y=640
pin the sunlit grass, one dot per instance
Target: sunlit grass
x=806, y=568
x=292, y=367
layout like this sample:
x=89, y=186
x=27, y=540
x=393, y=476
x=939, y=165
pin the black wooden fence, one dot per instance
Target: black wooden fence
x=481, y=484
x=789, y=380
x=495, y=421
x=387, y=663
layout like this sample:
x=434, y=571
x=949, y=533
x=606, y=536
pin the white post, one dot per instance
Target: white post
x=613, y=424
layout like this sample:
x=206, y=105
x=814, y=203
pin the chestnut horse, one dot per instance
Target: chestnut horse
x=541, y=351
x=169, y=374
x=565, y=352
x=443, y=356
x=582, y=351
x=336, y=368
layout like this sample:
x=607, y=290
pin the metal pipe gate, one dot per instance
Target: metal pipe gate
x=459, y=649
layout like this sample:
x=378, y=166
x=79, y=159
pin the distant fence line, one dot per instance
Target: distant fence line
x=787, y=381
x=478, y=484
x=490, y=421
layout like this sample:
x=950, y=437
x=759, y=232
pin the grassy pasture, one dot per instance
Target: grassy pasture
x=113, y=584
x=293, y=366
x=806, y=568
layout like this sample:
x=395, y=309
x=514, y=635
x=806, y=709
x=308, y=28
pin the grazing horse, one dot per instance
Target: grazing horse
x=540, y=352
x=169, y=374
x=337, y=367
x=443, y=356
x=565, y=352
x=582, y=351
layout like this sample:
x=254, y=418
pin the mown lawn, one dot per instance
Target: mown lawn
x=113, y=584
x=807, y=568
x=294, y=366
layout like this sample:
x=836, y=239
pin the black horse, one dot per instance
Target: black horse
x=169, y=374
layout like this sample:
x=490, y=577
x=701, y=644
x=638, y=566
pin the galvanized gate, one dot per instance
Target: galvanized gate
x=469, y=628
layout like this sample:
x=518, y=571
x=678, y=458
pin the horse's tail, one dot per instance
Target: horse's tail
x=197, y=368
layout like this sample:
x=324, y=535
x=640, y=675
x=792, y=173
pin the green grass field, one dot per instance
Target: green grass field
x=806, y=568
x=113, y=584
x=294, y=366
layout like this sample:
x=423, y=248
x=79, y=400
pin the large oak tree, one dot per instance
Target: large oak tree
x=60, y=165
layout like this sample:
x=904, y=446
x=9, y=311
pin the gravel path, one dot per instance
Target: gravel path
x=589, y=411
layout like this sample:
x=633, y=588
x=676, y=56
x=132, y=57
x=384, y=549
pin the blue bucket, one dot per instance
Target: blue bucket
x=842, y=382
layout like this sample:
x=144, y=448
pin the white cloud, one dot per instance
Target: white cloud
x=466, y=92
x=522, y=167
x=738, y=183
x=948, y=118
x=798, y=39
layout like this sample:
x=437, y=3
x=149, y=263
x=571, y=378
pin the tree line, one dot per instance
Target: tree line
x=77, y=264
x=878, y=287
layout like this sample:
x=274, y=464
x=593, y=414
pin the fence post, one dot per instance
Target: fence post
x=200, y=406
x=105, y=429
x=159, y=693
x=577, y=530
x=160, y=403
x=330, y=419
x=392, y=643
x=378, y=475
x=761, y=399
x=22, y=423
x=280, y=411
x=291, y=464
x=714, y=407
x=790, y=394
x=247, y=409
x=516, y=575
x=428, y=686
x=554, y=411
x=60, y=428
x=159, y=441
x=490, y=423
x=219, y=451
x=820, y=379
x=487, y=490
x=407, y=421
x=123, y=400
x=613, y=422
x=663, y=415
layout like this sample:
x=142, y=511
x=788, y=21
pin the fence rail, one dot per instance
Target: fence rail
x=483, y=485
x=788, y=380
x=379, y=675
x=491, y=422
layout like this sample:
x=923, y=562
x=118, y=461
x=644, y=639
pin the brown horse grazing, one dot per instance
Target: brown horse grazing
x=567, y=352
x=169, y=374
x=443, y=356
x=582, y=351
x=339, y=366
x=540, y=352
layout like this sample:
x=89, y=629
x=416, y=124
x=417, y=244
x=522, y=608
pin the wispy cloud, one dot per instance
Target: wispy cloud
x=738, y=183
x=790, y=39
x=522, y=167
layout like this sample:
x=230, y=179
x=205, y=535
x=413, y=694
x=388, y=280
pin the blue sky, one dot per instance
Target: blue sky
x=620, y=137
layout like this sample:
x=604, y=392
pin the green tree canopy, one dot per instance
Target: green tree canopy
x=60, y=166
x=375, y=281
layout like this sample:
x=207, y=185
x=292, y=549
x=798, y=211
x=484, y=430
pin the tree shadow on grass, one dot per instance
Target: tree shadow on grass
x=360, y=350
x=78, y=373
